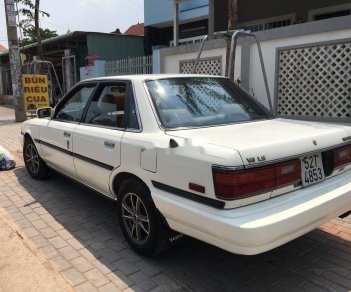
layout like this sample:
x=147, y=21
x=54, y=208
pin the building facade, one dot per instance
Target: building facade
x=68, y=53
x=252, y=15
x=306, y=47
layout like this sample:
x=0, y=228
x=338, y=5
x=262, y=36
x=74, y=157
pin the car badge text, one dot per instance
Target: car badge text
x=258, y=158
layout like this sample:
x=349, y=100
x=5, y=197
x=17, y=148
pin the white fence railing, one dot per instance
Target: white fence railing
x=129, y=66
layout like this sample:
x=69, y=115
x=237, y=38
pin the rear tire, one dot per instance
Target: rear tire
x=35, y=166
x=139, y=218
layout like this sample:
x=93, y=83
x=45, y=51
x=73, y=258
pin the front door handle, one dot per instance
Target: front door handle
x=66, y=134
x=109, y=144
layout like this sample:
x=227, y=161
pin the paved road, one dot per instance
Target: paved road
x=77, y=233
x=20, y=269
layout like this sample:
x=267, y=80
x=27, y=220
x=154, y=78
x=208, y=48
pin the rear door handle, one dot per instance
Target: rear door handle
x=66, y=134
x=109, y=144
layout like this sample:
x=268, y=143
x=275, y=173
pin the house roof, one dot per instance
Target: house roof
x=2, y=48
x=136, y=29
x=65, y=38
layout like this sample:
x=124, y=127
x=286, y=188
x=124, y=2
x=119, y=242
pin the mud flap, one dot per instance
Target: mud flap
x=342, y=216
x=168, y=237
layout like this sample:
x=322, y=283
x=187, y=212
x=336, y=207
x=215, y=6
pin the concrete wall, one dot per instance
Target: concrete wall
x=168, y=60
x=172, y=62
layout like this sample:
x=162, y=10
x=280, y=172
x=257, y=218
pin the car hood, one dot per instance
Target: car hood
x=269, y=140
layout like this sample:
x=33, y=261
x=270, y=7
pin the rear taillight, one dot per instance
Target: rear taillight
x=288, y=173
x=244, y=183
x=342, y=156
x=236, y=185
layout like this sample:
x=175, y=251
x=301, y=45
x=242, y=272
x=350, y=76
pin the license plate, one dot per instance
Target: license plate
x=312, y=169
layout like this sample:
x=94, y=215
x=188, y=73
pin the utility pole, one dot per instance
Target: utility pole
x=232, y=24
x=232, y=14
x=15, y=60
x=175, y=22
x=37, y=28
x=211, y=8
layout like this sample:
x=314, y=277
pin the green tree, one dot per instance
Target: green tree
x=29, y=24
x=31, y=35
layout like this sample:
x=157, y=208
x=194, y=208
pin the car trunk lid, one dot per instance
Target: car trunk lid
x=270, y=140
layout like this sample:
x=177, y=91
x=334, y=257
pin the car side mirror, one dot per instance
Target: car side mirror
x=45, y=112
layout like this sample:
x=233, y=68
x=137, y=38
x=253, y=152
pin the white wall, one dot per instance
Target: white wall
x=269, y=56
x=171, y=62
x=96, y=70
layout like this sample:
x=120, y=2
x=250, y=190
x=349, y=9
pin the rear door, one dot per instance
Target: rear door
x=97, y=140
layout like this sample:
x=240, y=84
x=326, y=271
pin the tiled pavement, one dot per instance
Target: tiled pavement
x=76, y=232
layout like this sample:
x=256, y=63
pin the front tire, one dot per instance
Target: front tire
x=138, y=218
x=35, y=166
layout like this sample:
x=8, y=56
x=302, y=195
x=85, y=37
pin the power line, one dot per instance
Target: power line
x=59, y=26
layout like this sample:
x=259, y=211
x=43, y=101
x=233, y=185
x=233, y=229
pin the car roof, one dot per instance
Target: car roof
x=149, y=77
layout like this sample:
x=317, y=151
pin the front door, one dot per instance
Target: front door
x=56, y=138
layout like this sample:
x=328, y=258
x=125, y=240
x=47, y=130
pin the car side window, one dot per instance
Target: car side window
x=74, y=105
x=108, y=105
x=131, y=111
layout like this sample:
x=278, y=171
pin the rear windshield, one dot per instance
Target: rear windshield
x=198, y=102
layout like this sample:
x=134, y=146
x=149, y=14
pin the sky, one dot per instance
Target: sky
x=84, y=15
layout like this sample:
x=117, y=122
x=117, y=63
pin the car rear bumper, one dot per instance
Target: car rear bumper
x=261, y=226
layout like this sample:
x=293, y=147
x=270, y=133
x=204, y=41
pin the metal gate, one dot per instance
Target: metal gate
x=129, y=66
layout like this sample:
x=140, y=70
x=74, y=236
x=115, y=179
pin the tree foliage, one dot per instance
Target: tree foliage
x=27, y=22
x=31, y=35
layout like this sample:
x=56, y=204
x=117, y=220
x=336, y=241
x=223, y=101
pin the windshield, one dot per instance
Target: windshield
x=202, y=101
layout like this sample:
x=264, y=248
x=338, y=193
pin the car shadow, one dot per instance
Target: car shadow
x=316, y=260
x=4, y=122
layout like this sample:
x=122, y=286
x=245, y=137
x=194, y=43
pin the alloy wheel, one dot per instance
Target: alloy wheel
x=32, y=158
x=135, y=218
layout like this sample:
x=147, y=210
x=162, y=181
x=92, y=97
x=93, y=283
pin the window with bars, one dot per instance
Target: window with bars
x=268, y=25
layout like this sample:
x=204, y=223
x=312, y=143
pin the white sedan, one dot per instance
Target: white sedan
x=194, y=155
